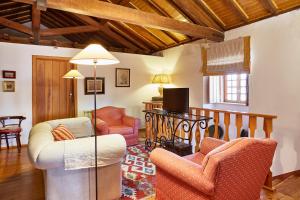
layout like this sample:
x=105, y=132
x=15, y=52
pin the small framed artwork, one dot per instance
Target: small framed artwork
x=89, y=85
x=9, y=74
x=122, y=77
x=8, y=86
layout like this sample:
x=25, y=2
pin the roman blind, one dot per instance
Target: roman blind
x=229, y=57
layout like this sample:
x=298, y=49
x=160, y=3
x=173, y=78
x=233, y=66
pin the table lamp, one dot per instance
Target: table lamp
x=160, y=79
x=73, y=74
x=94, y=55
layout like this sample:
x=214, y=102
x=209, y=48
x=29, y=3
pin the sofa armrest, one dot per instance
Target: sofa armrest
x=111, y=149
x=209, y=143
x=131, y=121
x=183, y=169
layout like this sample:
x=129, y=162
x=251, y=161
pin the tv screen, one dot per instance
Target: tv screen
x=176, y=100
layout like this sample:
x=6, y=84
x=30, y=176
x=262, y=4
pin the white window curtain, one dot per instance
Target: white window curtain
x=229, y=57
x=216, y=89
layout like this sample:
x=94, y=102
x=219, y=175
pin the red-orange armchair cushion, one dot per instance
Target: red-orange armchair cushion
x=111, y=120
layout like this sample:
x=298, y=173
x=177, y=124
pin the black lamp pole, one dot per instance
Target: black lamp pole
x=95, y=107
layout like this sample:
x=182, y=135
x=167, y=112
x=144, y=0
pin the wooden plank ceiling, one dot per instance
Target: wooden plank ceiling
x=154, y=25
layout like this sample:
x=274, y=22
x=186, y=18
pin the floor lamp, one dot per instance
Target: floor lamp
x=94, y=55
x=73, y=74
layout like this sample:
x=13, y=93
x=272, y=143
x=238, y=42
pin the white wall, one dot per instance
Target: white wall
x=275, y=83
x=184, y=62
x=142, y=69
x=18, y=57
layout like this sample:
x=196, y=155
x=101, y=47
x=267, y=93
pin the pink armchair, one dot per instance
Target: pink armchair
x=234, y=170
x=111, y=120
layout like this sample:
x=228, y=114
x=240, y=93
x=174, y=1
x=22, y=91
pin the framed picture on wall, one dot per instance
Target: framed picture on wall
x=89, y=85
x=8, y=86
x=122, y=77
x=9, y=74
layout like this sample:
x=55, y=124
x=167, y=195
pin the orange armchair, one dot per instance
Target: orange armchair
x=111, y=120
x=234, y=170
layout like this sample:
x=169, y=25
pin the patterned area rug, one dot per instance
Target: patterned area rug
x=138, y=174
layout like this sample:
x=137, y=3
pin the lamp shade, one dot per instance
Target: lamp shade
x=161, y=79
x=94, y=54
x=73, y=73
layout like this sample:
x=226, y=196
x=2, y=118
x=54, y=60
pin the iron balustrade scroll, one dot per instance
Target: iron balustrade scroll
x=169, y=122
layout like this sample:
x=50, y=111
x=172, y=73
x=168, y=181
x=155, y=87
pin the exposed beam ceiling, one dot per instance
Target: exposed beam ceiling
x=270, y=5
x=16, y=26
x=239, y=10
x=104, y=28
x=36, y=23
x=25, y=1
x=128, y=15
x=191, y=7
x=211, y=12
x=68, y=30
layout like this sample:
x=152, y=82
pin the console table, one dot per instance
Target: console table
x=165, y=127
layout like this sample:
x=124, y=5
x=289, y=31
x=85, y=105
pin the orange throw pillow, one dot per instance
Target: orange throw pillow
x=62, y=133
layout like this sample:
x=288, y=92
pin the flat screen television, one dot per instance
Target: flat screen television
x=176, y=100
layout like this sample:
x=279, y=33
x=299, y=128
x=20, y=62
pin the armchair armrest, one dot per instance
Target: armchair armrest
x=131, y=121
x=101, y=126
x=182, y=169
x=209, y=143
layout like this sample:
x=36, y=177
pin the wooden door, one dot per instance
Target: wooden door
x=52, y=96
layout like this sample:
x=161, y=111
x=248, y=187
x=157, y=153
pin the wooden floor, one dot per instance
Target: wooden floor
x=20, y=181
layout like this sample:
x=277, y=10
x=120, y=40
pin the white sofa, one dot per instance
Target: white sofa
x=61, y=184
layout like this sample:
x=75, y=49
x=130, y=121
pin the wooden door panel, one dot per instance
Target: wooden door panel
x=50, y=92
x=55, y=92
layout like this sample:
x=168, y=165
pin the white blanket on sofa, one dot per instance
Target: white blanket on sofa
x=82, y=155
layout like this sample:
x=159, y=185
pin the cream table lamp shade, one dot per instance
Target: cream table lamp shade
x=94, y=54
x=73, y=73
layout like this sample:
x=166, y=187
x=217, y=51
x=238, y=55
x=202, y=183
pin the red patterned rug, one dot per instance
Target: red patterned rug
x=138, y=174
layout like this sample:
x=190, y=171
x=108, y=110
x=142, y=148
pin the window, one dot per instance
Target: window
x=231, y=88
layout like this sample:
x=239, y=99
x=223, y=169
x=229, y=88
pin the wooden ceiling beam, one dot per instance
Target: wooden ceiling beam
x=211, y=13
x=36, y=23
x=238, y=10
x=29, y=40
x=14, y=25
x=124, y=34
x=197, y=12
x=25, y=1
x=16, y=9
x=50, y=24
x=68, y=30
x=17, y=14
x=61, y=23
x=106, y=30
x=128, y=15
x=271, y=6
x=160, y=11
x=137, y=35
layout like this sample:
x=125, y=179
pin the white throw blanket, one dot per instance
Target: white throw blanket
x=82, y=155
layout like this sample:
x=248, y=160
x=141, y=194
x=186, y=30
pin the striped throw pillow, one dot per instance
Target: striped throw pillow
x=62, y=133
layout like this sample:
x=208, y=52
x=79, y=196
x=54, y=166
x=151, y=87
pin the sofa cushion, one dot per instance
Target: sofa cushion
x=62, y=133
x=123, y=130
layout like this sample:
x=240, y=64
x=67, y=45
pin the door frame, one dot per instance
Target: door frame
x=34, y=65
